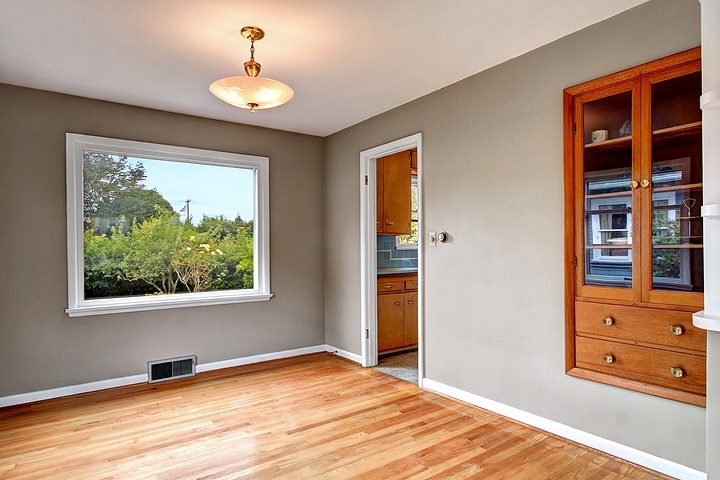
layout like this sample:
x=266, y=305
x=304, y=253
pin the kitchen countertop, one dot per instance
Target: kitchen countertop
x=396, y=270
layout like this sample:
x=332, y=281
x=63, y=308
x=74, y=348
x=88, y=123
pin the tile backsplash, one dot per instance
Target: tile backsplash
x=389, y=257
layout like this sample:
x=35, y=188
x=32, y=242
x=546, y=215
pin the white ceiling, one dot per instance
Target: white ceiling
x=347, y=60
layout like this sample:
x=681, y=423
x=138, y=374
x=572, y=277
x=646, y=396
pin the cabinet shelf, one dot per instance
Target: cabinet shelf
x=606, y=246
x=675, y=188
x=680, y=134
x=677, y=245
x=619, y=143
x=626, y=193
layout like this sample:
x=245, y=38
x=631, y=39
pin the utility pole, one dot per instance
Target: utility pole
x=187, y=209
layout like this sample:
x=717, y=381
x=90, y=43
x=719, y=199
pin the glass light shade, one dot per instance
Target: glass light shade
x=244, y=91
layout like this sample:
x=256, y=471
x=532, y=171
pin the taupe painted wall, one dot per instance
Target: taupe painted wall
x=493, y=178
x=41, y=347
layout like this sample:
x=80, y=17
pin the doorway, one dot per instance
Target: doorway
x=369, y=247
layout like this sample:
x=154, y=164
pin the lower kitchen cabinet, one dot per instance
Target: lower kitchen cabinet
x=397, y=312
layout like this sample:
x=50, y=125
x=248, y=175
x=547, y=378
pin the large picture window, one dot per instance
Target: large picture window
x=156, y=226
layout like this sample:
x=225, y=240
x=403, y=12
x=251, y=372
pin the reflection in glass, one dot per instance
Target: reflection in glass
x=608, y=214
x=677, y=227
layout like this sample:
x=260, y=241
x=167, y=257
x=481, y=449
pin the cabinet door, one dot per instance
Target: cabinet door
x=410, y=318
x=607, y=217
x=390, y=321
x=396, y=193
x=673, y=237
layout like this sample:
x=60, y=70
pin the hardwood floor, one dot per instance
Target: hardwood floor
x=315, y=416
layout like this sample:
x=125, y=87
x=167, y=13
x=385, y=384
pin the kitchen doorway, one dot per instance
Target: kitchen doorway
x=369, y=248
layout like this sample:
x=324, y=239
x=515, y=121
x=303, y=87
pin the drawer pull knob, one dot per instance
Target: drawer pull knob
x=390, y=223
x=608, y=320
x=676, y=329
x=608, y=358
x=397, y=303
x=677, y=372
x=410, y=302
x=388, y=286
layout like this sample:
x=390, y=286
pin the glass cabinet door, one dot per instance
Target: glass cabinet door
x=608, y=190
x=676, y=179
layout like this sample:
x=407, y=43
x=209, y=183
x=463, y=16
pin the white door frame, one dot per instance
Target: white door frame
x=368, y=248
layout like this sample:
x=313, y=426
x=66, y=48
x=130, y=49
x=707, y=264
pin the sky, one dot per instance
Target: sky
x=213, y=190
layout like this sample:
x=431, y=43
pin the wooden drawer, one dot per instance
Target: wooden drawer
x=640, y=324
x=388, y=285
x=642, y=364
x=411, y=284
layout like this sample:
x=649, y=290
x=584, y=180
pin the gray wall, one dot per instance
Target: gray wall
x=41, y=347
x=493, y=178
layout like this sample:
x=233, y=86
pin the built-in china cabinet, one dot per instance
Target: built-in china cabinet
x=633, y=230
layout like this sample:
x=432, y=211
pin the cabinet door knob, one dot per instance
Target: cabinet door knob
x=645, y=183
x=608, y=320
x=677, y=372
x=634, y=184
x=608, y=358
x=410, y=302
x=676, y=329
x=390, y=223
x=397, y=303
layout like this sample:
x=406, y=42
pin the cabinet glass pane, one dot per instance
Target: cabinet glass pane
x=607, y=162
x=677, y=227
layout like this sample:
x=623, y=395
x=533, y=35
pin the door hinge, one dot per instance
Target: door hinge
x=367, y=333
x=574, y=128
x=366, y=179
x=574, y=261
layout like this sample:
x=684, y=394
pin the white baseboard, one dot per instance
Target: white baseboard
x=593, y=441
x=142, y=378
x=344, y=353
x=265, y=357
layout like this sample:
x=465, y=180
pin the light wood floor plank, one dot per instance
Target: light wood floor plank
x=316, y=416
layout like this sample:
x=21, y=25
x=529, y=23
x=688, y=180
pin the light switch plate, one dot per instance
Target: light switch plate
x=432, y=239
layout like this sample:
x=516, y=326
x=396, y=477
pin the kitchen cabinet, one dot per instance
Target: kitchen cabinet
x=397, y=312
x=393, y=180
x=633, y=229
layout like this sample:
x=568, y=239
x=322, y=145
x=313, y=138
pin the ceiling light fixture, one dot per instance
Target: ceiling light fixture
x=252, y=92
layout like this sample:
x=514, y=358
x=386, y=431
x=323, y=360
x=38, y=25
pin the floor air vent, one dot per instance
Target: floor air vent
x=162, y=370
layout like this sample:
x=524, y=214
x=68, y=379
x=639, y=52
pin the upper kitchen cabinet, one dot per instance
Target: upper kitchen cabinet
x=634, y=233
x=393, y=193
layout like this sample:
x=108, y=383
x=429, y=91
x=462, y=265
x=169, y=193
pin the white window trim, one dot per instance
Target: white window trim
x=78, y=306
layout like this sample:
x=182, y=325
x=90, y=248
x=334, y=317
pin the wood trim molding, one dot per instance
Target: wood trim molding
x=686, y=57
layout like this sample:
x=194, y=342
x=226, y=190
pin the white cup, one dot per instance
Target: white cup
x=598, y=136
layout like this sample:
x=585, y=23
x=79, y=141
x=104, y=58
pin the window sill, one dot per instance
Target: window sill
x=142, y=304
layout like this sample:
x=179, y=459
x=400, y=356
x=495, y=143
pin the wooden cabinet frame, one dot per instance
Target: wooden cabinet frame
x=638, y=81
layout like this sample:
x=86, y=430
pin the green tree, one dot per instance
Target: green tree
x=164, y=255
x=148, y=250
x=199, y=262
x=221, y=227
x=104, y=177
x=666, y=261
